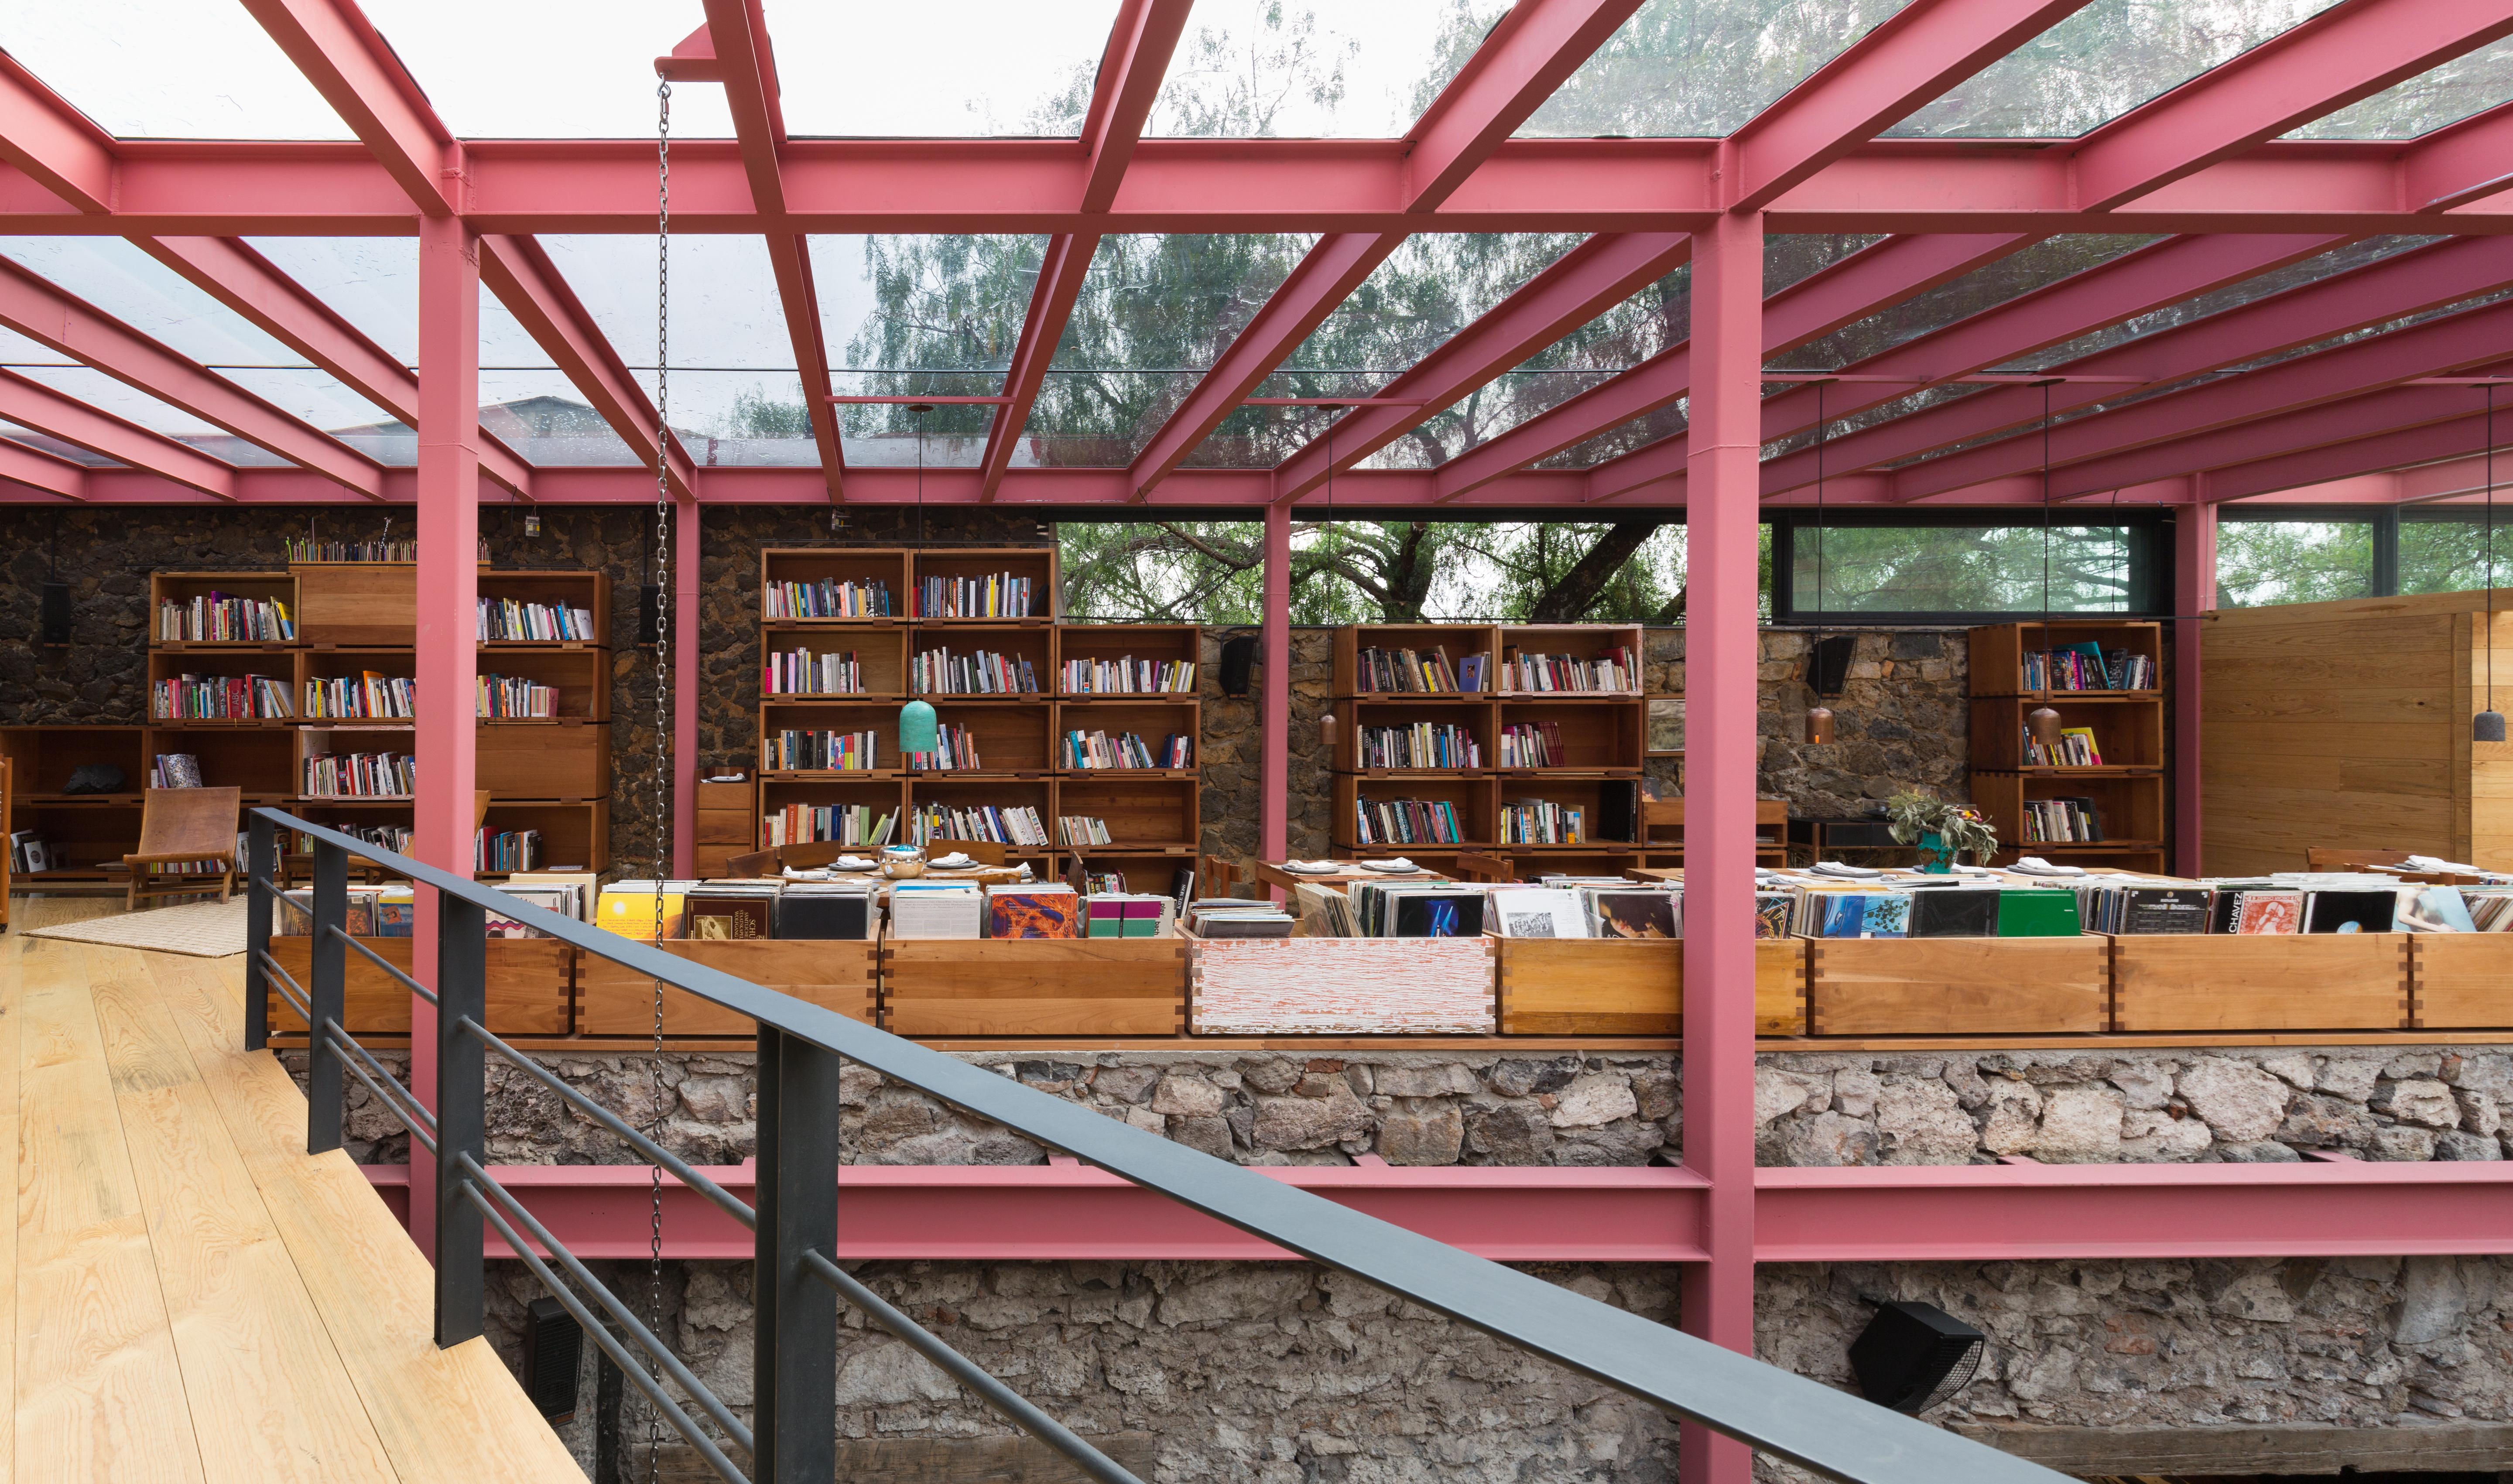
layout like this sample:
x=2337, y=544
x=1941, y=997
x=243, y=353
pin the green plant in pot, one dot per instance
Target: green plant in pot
x=1941, y=828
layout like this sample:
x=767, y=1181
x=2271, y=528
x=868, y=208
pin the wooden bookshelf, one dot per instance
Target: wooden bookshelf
x=185, y=587
x=1037, y=565
x=2128, y=791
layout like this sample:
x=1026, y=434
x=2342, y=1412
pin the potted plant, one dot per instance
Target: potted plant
x=1941, y=828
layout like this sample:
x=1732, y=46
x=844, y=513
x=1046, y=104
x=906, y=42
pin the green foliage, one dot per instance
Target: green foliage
x=1959, y=825
x=1958, y=569
x=2293, y=561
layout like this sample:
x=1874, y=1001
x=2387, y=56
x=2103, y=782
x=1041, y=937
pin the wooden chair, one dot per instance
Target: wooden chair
x=2331, y=858
x=1770, y=829
x=187, y=826
x=984, y=852
x=1475, y=866
x=802, y=857
x=1217, y=877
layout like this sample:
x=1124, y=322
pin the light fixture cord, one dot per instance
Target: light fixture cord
x=2491, y=545
x=662, y=710
x=2045, y=517
x=1822, y=430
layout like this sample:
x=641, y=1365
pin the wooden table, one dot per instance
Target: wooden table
x=1271, y=873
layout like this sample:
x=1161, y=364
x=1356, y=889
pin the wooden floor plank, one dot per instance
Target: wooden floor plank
x=453, y=1414
x=269, y=1399
x=97, y=1390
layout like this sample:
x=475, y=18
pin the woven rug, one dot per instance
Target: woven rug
x=201, y=929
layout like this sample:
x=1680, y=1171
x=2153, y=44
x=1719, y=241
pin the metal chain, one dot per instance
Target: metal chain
x=662, y=710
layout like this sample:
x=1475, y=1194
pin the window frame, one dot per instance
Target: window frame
x=2151, y=556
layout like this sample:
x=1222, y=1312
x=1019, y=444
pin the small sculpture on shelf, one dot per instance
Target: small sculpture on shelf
x=1941, y=828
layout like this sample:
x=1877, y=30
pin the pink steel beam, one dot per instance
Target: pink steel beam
x=1325, y=278
x=39, y=471
x=1274, y=716
x=1050, y=304
x=2164, y=274
x=1862, y=284
x=41, y=312
x=1530, y=52
x=332, y=42
x=2194, y=592
x=242, y=279
x=2404, y=284
x=525, y=281
x=2452, y=167
x=1589, y=280
x=1910, y=59
x=52, y=143
x=2473, y=338
x=2347, y=53
x=31, y=404
x=2404, y=449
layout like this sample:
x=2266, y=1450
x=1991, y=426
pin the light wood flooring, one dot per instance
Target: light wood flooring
x=191, y=1295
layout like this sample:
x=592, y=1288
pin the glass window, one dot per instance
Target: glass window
x=1702, y=68
x=530, y=406
x=2444, y=95
x=2444, y=549
x=954, y=68
x=371, y=282
x=2099, y=63
x=120, y=400
x=45, y=443
x=2297, y=557
x=921, y=315
x=1429, y=290
x=1984, y=288
x=1873, y=565
x=151, y=69
x=1290, y=70
x=556, y=70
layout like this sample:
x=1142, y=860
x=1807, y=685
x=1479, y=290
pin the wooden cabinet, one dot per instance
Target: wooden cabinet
x=2128, y=790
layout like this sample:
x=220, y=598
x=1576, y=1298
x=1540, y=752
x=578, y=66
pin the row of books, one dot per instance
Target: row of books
x=800, y=751
x=512, y=619
x=1610, y=670
x=1533, y=744
x=1082, y=829
x=361, y=775
x=392, y=838
x=218, y=618
x=29, y=852
x=826, y=598
x=506, y=849
x=305, y=548
x=220, y=698
x=389, y=911
x=1094, y=749
x=1959, y=910
x=955, y=751
x=803, y=674
x=369, y=696
x=1537, y=822
x=939, y=672
x=2075, y=748
x=2088, y=667
x=1004, y=824
x=1420, y=744
x=513, y=696
x=174, y=770
x=1235, y=917
x=999, y=595
x=1408, y=671
x=1128, y=677
x=2063, y=821
x=837, y=824
x=1405, y=822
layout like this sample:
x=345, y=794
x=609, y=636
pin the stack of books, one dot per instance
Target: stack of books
x=1033, y=909
x=511, y=620
x=1405, y=822
x=2063, y=821
x=939, y=672
x=2075, y=748
x=371, y=696
x=1004, y=824
x=220, y=698
x=799, y=751
x=1082, y=830
x=1410, y=671
x=730, y=910
x=1610, y=670
x=505, y=698
x=1095, y=751
x=506, y=849
x=1234, y=917
x=1420, y=744
x=825, y=599
x=1540, y=822
x=955, y=751
x=936, y=909
x=222, y=619
x=1533, y=744
x=1128, y=915
x=998, y=596
x=174, y=770
x=838, y=824
x=361, y=775
x=1128, y=677
x=2088, y=667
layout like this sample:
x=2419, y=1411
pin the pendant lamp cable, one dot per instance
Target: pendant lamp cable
x=663, y=712
x=1822, y=430
x=2046, y=514
x=2491, y=545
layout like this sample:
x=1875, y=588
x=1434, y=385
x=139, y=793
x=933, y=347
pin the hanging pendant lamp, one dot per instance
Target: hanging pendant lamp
x=2042, y=722
x=2488, y=726
x=1327, y=717
x=919, y=730
x=1818, y=716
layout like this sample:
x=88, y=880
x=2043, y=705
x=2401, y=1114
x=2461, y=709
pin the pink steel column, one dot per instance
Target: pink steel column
x=1274, y=713
x=2194, y=592
x=1722, y=514
x=449, y=582
x=685, y=689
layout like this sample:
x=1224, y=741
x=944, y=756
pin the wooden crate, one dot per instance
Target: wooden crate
x=1896, y=987
x=1035, y=987
x=531, y=985
x=1620, y=987
x=351, y=603
x=1340, y=986
x=725, y=826
x=2242, y=982
x=2463, y=981
x=835, y=974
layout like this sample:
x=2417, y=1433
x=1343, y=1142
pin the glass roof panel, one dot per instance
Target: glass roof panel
x=557, y=69
x=43, y=443
x=925, y=316
x=1700, y=68
x=953, y=69
x=2099, y=63
x=17, y=350
x=1265, y=69
x=1262, y=437
x=1429, y=290
x=726, y=318
x=371, y=282
x=1155, y=303
x=1099, y=419
x=107, y=395
x=148, y=69
x=1984, y=288
x=1487, y=412
x=2421, y=104
x=545, y=420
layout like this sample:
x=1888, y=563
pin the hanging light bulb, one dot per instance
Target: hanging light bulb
x=2042, y=723
x=2488, y=726
x=919, y=729
x=1818, y=724
x=1818, y=716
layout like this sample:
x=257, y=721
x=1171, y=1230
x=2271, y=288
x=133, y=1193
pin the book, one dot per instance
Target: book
x=2345, y=912
x=2157, y=909
x=1033, y=909
x=1772, y=913
x=1637, y=913
x=719, y=912
x=2433, y=909
x=2268, y=911
x=2038, y=912
x=1887, y=915
x=936, y=909
x=1954, y=913
x=628, y=909
x=1537, y=913
x=824, y=909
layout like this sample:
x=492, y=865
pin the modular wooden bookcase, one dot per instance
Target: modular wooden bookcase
x=1602, y=734
x=2128, y=790
x=551, y=773
x=1152, y=815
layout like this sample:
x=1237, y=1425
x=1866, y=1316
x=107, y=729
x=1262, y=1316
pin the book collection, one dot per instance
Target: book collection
x=1017, y=824
x=999, y=595
x=2296, y=901
x=390, y=910
x=1081, y=830
x=513, y=697
x=368, y=698
x=836, y=824
x=803, y=674
x=828, y=598
x=29, y=854
x=361, y=775
x=796, y=751
x=392, y=838
x=2075, y=748
x=305, y=549
x=1233, y=918
x=1533, y=744
x=1128, y=677
x=1404, y=672
x=1420, y=744
x=505, y=850
x=219, y=698
x=1093, y=751
x=1405, y=822
x=2063, y=821
x=510, y=621
x=1612, y=670
x=174, y=770
x=1393, y=909
x=938, y=673
x=2088, y=667
x=1537, y=822
x=820, y=905
x=955, y=751
x=218, y=618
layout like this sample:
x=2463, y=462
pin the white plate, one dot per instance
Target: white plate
x=954, y=862
x=1400, y=867
x=1312, y=868
x=852, y=863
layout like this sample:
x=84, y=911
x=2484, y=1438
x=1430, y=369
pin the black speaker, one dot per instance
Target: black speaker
x=1239, y=657
x=650, y=614
x=54, y=628
x=1910, y=1354
x=553, y=1351
x=1829, y=667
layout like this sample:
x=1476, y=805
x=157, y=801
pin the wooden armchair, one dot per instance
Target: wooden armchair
x=185, y=826
x=1216, y=876
x=1662, y=826
x=1478, y=866
x=984, y=852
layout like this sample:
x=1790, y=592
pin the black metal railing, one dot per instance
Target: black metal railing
x=792, y=1434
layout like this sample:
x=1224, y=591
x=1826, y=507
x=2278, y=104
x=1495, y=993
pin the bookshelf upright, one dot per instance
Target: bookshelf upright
x=2022, y=786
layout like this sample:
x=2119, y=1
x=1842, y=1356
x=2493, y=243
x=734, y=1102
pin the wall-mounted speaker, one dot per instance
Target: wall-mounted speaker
x=553, y=1353
x=1912, y=1356
x=1239, y=657
x=650, y=614
x=1828, y=668
x=53, y=624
